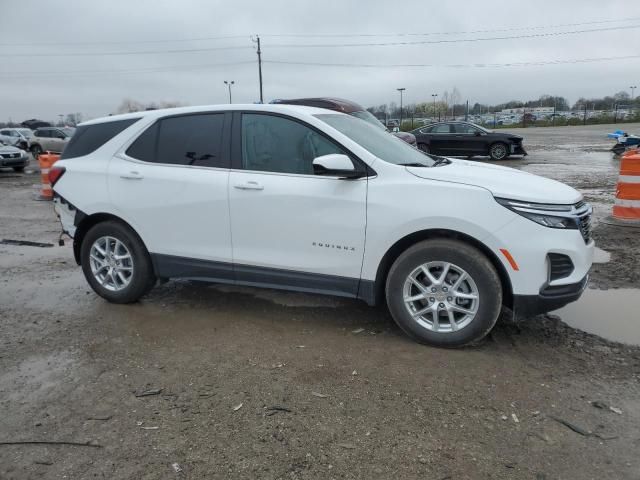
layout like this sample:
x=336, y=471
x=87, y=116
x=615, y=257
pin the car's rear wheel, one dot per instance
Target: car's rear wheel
x=444, y=292
x=498, y=151
x=36, y=150
x=116, y=263
x=424, y=147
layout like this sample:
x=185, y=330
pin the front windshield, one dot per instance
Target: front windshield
x=368, y=117
x=26, y=132
x=69, y=131
x=377, y=141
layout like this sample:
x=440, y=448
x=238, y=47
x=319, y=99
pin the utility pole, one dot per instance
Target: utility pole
x=259, y=52
x=400, y=90
x=466, y=112
x=228, y=84
x=632, y=87
x=434, y=95
x=60, y=123
x=584, y=119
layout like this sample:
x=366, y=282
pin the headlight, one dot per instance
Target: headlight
x=546, y=214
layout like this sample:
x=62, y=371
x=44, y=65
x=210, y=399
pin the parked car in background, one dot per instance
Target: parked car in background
x=13, y=157
x=312, y=200
x=17, y=137
x=350, y=108
x=35, y=123
x=51, y=139
x=467, y=139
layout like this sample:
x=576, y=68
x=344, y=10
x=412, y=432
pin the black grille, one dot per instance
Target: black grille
x=560, y=266
x=585, y=227
x=10, y=155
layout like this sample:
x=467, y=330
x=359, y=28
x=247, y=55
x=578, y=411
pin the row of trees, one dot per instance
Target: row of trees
x=451, y=104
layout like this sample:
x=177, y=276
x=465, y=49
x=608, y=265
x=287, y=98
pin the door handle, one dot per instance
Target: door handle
x=249, y=186
x=132, y=175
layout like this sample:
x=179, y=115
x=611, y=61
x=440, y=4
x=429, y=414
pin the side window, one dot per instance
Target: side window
x=426, y=130
x=184, y=140
x=441, y=128
x=464, y=128
x=89, y=138
x=5, y=132
x=42, y=133
x=277, y=144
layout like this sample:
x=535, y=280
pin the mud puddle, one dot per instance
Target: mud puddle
x=611, y=314
x=601, y=256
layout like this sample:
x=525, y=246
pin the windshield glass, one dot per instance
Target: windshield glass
x=69, y=131
x=368, y=117
x=376, y=140
x=26, y=132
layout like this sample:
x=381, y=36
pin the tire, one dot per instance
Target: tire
x=484, y=283
x=498, y=151
x=18, y=169
x=36, y=150
x=136, y=272
x=424, y=147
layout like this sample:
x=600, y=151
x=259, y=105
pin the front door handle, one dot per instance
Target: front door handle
x=249, y=186
x=132, y=175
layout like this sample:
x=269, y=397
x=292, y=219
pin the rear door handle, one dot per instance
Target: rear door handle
x=249, y=186
x=132, y=175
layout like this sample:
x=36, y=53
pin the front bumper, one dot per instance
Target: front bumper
x=21, y=161
x=550, y=298
x=518, y=149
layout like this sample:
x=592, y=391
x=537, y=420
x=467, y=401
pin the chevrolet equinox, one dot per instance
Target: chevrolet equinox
x=312, y=200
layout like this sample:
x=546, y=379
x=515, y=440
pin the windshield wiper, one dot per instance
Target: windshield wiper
x=441, y=161
x=413, y=164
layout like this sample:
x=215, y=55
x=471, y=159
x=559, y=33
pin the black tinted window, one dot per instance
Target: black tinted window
x=442, y=128
x=42, y=133
x=89, y=138
x=276, y=144
x=184, y=140
x=465, y=128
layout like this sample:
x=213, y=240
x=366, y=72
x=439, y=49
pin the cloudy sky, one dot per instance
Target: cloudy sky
x=87, y=56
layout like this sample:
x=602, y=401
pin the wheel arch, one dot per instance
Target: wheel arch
x=411, y=239
x=85, y=222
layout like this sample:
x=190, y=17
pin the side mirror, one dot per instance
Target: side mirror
x=478, y=134
x=336, y=165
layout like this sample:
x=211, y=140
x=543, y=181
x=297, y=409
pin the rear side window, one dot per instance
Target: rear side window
x=184, y=140
x=89, y=138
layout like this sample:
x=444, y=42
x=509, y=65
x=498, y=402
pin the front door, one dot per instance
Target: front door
x=291, y=228
x=172, y=183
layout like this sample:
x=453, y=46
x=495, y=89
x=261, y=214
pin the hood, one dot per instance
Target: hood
x=9, y=149
x=502, y=182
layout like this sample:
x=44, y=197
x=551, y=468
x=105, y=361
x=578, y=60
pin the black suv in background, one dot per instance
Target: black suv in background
x=350, y=108
x=467, y=140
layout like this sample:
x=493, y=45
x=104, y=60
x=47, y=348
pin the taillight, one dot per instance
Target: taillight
x=55, y=173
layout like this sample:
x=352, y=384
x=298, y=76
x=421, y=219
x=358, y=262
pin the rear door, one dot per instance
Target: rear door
x=290, y=227
x=440, y=138
x=171, y=184
x=469, y=140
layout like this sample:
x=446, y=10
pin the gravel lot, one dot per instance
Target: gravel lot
x=201, y=381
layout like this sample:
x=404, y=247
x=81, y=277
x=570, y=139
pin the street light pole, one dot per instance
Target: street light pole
x=228, y=84
x=633, y=87
x=434, y=95
x=400, y=90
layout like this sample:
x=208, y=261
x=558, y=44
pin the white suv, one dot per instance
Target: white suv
x=311, y=200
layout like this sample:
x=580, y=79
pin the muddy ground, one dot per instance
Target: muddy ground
x=243, y=383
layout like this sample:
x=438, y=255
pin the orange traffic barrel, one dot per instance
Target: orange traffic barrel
x=46, y=160
x=631, y=151
x=627, y=202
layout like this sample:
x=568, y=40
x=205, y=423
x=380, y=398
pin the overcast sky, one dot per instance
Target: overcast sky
x=33, y=34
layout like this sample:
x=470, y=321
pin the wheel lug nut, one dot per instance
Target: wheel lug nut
x=449, y=299
x=434, y=289
x=431, y=299
x=441, y=305
x=444, y=289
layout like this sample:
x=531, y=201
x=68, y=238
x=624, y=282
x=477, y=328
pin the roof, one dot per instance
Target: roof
x=295, y=109
x=331, y=103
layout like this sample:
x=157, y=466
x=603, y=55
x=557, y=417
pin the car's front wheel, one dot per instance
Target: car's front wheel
x=498, y=151
x=444, y=292
x=116, y=263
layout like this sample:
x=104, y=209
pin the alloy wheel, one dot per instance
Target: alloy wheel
x=111, y=263
x=441, y=297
